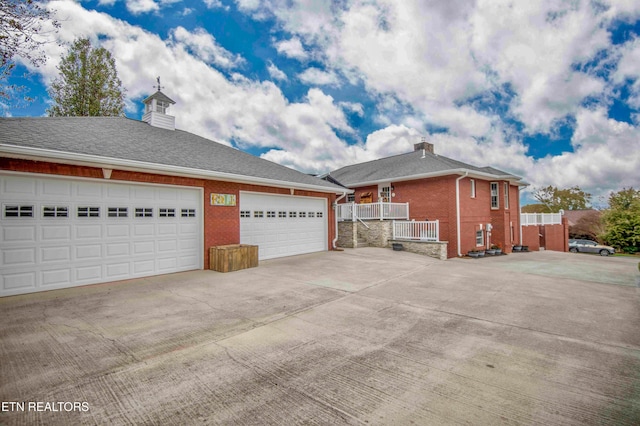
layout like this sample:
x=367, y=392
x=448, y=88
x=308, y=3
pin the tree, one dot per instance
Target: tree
x=534, y=208
x=88, y=84
x=589, y=226
x=622, y=220
x=562, y=199
x=21, y=22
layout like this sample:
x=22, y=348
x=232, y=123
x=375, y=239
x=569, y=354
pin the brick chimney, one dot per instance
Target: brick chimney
x=428, y=147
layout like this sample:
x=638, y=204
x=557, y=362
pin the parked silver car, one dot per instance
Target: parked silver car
x=588, y=246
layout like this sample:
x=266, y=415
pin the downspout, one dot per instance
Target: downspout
x=458, y=210
x=335, y=214
x=520, y=215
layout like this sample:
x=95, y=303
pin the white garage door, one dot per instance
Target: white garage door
x=57, y=232
x=283, y=225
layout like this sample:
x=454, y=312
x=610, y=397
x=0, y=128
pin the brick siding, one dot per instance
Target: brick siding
x=221, y=223
x=435, y=199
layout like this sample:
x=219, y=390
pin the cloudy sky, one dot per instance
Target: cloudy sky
x=548, y=90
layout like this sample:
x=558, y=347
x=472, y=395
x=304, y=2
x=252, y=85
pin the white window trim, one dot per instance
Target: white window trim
x=480, y=232
x=384, y=191
x=506, y=195
x=497, y=195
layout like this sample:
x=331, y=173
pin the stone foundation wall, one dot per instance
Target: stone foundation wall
x=380, y=234
x=436, y=250
x=347, y=235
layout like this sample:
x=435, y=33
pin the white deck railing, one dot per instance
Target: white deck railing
x=414, y=230
x=380, y=211
x=540, y=219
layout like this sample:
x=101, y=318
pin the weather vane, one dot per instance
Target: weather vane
x=158, y=86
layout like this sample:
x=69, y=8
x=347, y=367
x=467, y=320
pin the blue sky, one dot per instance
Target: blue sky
x=548, y=90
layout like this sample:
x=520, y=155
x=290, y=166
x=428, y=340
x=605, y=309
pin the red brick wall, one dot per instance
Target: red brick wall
x=531, y=237
x=556, y=236
x=221, y=223
x=435, y=199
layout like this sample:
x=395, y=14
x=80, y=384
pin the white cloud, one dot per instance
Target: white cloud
x=423, y=61
x=291, y=48
x=215, y=4
x=276, y=73
x=317, y=77
x=142, y=6
x=449, y=53
x=204, y=46
x=353, y=107
x=606, y=155
x=629, y=69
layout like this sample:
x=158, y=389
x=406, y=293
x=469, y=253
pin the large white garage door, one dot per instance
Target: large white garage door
x=57, y=232
x=283, y=225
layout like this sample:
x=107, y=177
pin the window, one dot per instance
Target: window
x=479, y=237
x=189, y=213
x=18, y=211
x=293, y=214
x=55, y=211
x=144, y=212
x=245, y=213
x=494, y=195
x=282, y=214
x=167, y=212
x=117, y=212
x=271, y=214
x=162, y=106
x=385, y=194
x=473, y=188
x=258, y=213
x=319, y=214
x=312, y=214
x=88, y=211
x=506, y=195
x=303, y=214
x=351, y=198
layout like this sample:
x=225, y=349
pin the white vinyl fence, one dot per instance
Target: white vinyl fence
x=381, y=211
x=415, y=230
x=540, y=219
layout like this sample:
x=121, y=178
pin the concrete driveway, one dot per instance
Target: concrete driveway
x=366, y=336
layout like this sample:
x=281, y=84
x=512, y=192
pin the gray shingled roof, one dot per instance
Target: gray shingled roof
x=407, y=165
x=159, y=96
x=126, y=139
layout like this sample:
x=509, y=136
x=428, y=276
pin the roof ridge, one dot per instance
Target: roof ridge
x=377, y=159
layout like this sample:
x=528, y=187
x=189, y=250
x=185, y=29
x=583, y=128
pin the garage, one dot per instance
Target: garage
x=58, y=232
x=282, y=225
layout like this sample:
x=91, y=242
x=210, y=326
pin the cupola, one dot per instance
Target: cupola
x=156, y=109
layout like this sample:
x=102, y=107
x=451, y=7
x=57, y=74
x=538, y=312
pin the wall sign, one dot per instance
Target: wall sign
x=223, y=199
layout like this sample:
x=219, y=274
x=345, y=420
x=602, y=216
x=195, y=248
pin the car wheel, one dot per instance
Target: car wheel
x=604, y=252
x=573, y=250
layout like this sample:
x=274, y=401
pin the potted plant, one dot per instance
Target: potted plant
x=497, y=248
x=491, y=251
x=517, y=248
x=475, y=253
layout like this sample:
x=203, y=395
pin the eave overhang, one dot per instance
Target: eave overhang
x=515, y=180
x=88, y=160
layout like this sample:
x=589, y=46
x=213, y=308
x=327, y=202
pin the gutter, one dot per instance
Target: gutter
x=335, y=215
x=466, y=173
x=39, y=154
